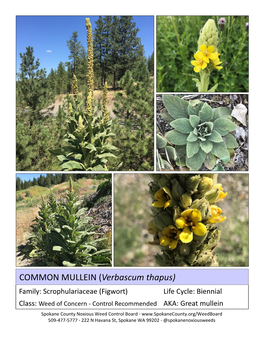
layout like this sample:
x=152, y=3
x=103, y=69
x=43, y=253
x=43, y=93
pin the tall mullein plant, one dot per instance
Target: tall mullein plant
x=86, y=148
x=62, y=235
x=185, y=218
x=207, y=56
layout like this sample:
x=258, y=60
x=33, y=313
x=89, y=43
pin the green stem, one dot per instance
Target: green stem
x=204, y=77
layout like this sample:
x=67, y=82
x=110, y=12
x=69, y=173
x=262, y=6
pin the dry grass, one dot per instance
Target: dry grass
x=97, y=94
x=24, y=219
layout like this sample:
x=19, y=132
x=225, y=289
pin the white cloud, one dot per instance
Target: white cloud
x=48, y=51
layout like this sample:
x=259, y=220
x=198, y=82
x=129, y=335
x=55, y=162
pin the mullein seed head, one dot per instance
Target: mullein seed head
x=90, y=75
x=70, y=185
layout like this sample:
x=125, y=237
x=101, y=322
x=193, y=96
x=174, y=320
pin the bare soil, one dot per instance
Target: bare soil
x=97, y=94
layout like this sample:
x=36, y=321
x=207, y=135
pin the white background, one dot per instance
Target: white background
x=237, y=324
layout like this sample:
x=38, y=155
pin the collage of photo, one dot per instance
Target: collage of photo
x=132, y=141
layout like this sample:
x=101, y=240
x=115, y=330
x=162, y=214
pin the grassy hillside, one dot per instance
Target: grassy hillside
x=27, y=206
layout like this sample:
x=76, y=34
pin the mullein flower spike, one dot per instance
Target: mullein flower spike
x=207, y=56
x=184, y=225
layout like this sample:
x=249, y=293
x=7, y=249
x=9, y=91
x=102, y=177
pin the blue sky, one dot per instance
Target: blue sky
x=29, y=176
x=48, y=36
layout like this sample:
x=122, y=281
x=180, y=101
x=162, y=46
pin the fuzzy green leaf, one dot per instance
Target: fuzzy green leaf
x=215, y=137
x=176, y=107
x=223, y=126
x=194, y=120
x=159, y=162
x=161, y=141
x=230, y=141
x=171, y=153
x=221, y=112
x=72, y=165
x=209, y=161
x=210, y=125
x=206, y=113
x=194, y=107
x=220, y=150
x=166, y=116
x=192, y=137
x=192, y=148
x=177, y=138
x=195, y=162
x=180, y=151
x=182, y=125
x=206, y=146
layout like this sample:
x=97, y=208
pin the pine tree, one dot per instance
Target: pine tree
x=134, y=128
x=151, y=64
x=35, y=130
x=61, y=79
x=18, y=183
x=52, y=80
x=41, y=180
x=116, y=47
x=76, y=49
x=98, y=44
x=33, y=91
x=130, y=47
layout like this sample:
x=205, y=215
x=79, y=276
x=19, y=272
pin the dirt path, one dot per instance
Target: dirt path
x=97, y=94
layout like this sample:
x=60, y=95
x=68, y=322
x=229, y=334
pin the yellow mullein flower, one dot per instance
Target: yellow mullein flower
x=190, y=222
x=221, y=195
x=163, y=197
x=198, y=64
x=215, y=215
x=207, y=53
x=169, y=237
x=217, y=62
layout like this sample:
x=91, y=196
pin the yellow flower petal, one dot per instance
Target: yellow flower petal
x=186, y=236
x=196, y=216
x=200, y=229
x=160, y=195
x=166, y=230
x=164, y=241
x=173, y=244
x=203, y=47
x=167, y=203
x=210, y=48
x=158, y=204
x=180, y=222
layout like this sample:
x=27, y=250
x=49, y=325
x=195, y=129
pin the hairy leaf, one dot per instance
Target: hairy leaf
x=177, y=138
x=223, y=126
x=220, y=150
x=176, y=107
x=182, y=125
x=161, y=141
x=195, y=120
x=230, y=141
x=195, y=162
x=206, y=113
x=192, y=148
